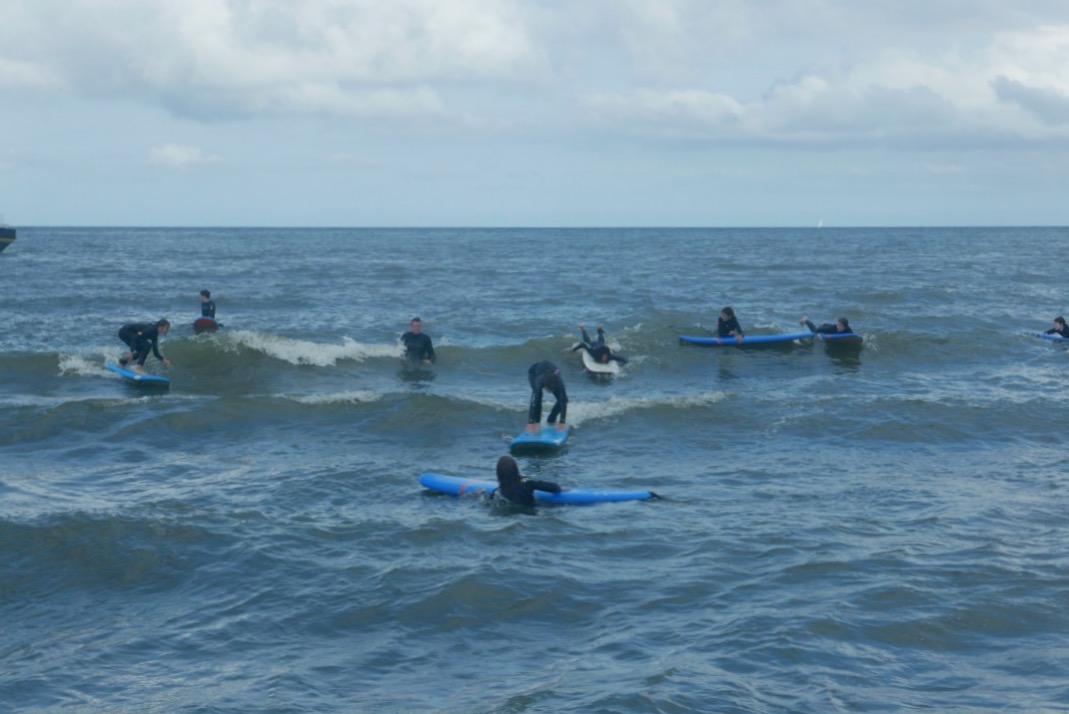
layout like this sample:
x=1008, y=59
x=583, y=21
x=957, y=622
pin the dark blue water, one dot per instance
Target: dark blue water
x=881, y=530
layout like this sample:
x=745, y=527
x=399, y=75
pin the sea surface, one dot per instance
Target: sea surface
x=879, y=530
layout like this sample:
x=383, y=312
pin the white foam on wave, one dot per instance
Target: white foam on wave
x=81, y=366
x=579, y=412
x=354, y=397
x=300, y=352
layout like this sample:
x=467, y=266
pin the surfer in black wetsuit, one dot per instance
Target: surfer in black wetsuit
x=841, y=326
x=142, y=338
x=418, y=347
x=1059, y=328
x=597, y=349
x=727, y=325
x=545, y=375
x=517, y=489
x=207, y=305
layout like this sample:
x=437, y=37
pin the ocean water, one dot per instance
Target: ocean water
x=869, y=531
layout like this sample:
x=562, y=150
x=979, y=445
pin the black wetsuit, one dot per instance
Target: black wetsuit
x=142, y=338
x=828, y=328
x=418, y=347
x=536, y=376
x=522, y=494
x=598, y=348
x=207, y=309
x=725, y=327
x=1053, y=331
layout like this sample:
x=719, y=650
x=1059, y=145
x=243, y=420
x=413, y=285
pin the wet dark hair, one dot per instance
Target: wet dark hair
x=508, y=474
x=163, y=322
x=206, y=293
x=415, y=319
x=846, y=323
x=1060, y=320
x=728, y=311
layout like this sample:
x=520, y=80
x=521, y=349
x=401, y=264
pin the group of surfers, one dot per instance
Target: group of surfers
x=544, y=376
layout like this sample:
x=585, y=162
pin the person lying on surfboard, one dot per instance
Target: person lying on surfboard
x=142, y=338
x=418, y=347
x=842, y=325
x=597, y=349
x=727, y=325
x=1059, y=328
x=545, y=375
x=517, y=489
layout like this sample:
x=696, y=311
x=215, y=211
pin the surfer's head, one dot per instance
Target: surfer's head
x=416, y=325
x=727, y=313
x=164, y=326
x=843, y=325
x=508, y=471
x=1059, y=321
x=205, y=295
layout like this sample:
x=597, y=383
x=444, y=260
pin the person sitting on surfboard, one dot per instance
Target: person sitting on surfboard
x=597, y=349
x=545, y=375
x=841, y=326
x=1059, y=328
x=142, y=338
x=517, y=489
x=727, y=325
x=418, y=347
x=207, y=305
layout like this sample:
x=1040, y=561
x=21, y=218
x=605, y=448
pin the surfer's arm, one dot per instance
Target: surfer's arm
x=547, y=486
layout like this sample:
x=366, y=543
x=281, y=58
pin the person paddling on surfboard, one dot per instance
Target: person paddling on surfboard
x=597, y=349
x=727, y=325
x=1059, y=328
x=545, y=375
x=418, y=347
x=841, y=326
x=517, y=489
x=142, y=338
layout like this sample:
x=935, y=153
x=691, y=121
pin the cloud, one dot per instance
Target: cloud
x=179, y=156
x=242, y=57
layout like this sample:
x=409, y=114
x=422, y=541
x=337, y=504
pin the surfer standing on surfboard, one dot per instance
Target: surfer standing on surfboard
x=142, y=338
x=546, y=375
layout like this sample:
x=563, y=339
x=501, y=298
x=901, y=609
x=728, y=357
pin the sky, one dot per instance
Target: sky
x=717, y=113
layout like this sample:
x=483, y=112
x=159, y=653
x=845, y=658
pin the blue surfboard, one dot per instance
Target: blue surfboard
x=748, y=341
x=457, y=486
x=1052, y=338
x=548, y=439
x=145, y=379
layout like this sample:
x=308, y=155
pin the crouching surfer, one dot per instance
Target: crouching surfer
x=142, y=338
x=545, y=375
